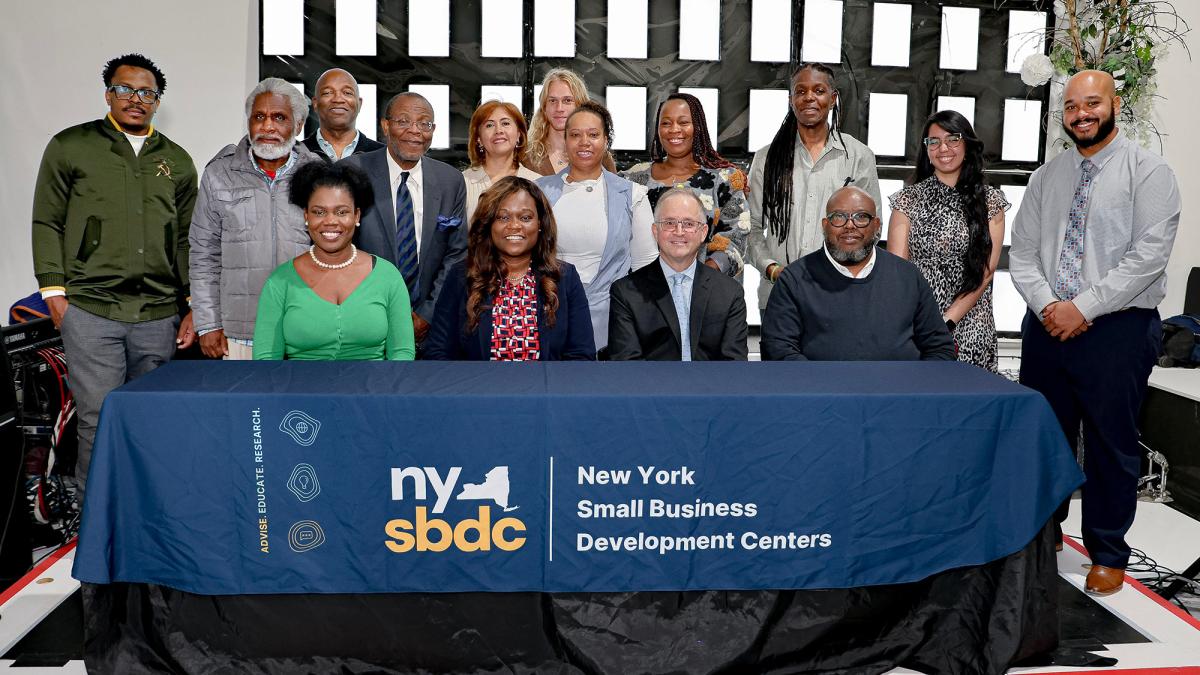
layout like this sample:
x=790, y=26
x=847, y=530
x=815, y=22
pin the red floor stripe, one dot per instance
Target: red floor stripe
x=36, y=572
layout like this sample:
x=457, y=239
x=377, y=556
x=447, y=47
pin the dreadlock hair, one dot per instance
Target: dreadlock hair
x=486, y=271
x=971, y=188
x=137, y=61
x=777, y=198
x=702, y=148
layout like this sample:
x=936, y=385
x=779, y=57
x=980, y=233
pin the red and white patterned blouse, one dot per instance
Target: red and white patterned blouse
x=515, y=321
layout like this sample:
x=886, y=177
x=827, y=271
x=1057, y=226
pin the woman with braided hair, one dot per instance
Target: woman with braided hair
x=950, y=223
x=793, y=177
x=682, y=155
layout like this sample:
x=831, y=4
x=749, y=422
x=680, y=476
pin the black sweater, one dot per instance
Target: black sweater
x=816, y=313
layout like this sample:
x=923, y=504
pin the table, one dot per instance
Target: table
x=297, y=478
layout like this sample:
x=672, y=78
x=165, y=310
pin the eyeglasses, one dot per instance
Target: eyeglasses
x=404, y=123
x=842, y=219
x=686, y=226
x=125, y=93
x=951, y=141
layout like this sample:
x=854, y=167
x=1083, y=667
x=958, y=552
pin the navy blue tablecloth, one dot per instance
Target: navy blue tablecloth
x=274, y=477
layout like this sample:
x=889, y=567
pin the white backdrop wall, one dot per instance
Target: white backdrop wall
x=51, y=54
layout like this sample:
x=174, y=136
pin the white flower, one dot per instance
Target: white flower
x=1036, y=70
x=707, y=201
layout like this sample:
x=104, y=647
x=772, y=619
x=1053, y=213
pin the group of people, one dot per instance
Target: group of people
x=338, y=247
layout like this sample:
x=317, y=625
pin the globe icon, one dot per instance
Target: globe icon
x=302, y=427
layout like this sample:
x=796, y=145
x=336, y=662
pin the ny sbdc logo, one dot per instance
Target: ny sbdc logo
x=425, y=533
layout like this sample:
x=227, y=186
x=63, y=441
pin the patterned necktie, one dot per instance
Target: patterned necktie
x=681, y=312
x=406, y=236
x=1070, y=261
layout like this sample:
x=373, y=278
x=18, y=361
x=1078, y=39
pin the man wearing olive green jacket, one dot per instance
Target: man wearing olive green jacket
x=111, y=211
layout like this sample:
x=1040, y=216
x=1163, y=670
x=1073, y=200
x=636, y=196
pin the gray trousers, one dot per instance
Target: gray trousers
x=102, y=354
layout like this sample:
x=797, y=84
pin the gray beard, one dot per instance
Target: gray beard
x=272, y=151
x=852, y=257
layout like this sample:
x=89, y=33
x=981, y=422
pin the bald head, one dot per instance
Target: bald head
x=410, y=96
x=336, y=101
x=850, y=199
x=1090, y=110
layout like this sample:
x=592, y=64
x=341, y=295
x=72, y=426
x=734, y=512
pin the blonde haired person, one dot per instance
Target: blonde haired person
x=496, y=145
x=562, y=91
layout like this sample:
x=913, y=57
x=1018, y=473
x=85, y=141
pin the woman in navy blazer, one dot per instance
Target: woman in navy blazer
x=511, y=299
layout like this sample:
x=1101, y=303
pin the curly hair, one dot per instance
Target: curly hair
x=777, y=200
x=319, y=174
x=540, y=127
x=702, y=148
x=482, y=113
x=136, y=61
x=972, y=189
x=600, y=111
x=485, y=269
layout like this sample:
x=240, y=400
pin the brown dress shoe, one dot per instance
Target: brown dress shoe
x=1103, y=580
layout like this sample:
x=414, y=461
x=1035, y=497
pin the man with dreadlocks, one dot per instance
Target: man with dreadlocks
x=793, y=177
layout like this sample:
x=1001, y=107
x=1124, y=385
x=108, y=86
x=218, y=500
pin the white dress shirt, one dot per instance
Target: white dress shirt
x=414, y=191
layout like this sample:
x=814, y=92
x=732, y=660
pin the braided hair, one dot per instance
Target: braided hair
x=972, y=188
x=781, y=155
x=702, y=148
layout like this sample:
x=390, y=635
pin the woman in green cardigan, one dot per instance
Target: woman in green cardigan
x=331, y=303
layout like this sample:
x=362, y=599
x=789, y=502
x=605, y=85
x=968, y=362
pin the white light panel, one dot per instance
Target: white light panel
x=709, y=99
x=429, y=28
x=628, y=28
x=1014, y=194
x=439, y=98
x=887, y=124
x=887, y=188
x=1022, y=130
x=962, y=104
x=509, y=93
x=283, y=27
x=771, y=31
x=628, y=108
x=960, y=38
x=553, y=28
x=537, y=97
x=822, y=40
x=501, y=23
x=368, y=114
x=303, y=128
x=1026, y=35
x=355, y=27
x=891, y=36
x=1007, y=304
x=700, y=30
x=767, y=109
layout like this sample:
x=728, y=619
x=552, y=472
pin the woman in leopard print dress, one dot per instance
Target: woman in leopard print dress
x=950, y=223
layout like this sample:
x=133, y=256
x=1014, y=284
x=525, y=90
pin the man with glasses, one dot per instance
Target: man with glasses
x=418, y=220
x=111, y=209
x=337, y=104
x=851, y=301
x=675, y=309
x=244, y=226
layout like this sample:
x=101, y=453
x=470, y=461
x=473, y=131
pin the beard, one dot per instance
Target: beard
x=853, y=256
x=272, y=151
x=1104, y=127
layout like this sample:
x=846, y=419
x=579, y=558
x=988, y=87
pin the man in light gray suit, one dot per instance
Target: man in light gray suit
x=418, y=221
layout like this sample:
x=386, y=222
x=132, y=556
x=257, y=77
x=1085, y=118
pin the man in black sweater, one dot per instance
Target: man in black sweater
x=851, y=301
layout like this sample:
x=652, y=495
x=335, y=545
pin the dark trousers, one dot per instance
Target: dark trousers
x=1097, y=380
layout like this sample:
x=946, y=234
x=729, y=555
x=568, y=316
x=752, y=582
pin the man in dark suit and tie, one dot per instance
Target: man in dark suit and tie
x=675, y=309
x=417, y=221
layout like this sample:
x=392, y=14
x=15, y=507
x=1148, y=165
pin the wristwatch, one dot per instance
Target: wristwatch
x=950, y=325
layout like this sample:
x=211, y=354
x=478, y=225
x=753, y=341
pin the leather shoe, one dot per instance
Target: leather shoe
x=1103, y=580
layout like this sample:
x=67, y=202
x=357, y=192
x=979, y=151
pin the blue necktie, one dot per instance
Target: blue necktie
x=1068, y=277
x=406, y=236
x=681, y=312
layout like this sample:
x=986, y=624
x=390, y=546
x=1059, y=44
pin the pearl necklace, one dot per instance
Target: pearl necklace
x=327, y=266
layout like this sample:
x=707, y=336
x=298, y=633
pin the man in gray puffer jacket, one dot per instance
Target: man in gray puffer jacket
x=243, y=226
